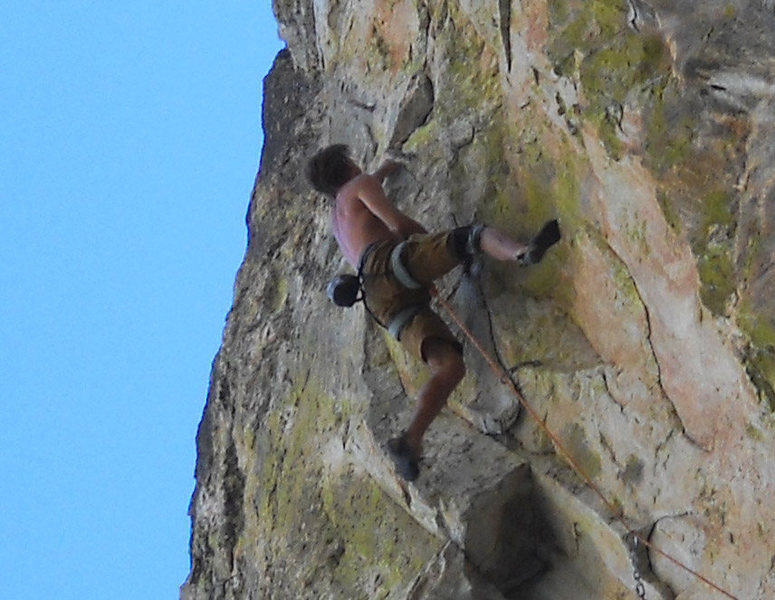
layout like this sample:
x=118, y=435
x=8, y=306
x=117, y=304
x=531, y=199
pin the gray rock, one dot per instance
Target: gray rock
x=644, y=341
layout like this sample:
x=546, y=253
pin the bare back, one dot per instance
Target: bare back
x=363, y=215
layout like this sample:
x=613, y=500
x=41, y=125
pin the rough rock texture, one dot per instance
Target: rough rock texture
x=645, y=340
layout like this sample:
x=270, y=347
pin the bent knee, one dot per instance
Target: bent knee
x=457, y=368
x=445, y=358
x=464, y=242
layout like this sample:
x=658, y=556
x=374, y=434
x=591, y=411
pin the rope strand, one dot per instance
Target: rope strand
x=506, y=378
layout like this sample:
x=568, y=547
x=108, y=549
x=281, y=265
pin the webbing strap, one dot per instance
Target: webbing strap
x=399, y=321
x=400, y=271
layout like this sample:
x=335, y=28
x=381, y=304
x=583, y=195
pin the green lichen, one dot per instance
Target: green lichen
x=714, y=249
x=566, y=195
x=340, y=519
x=377, y=52
x=716, y=208
x=716, y=271
x=536, y=177
x=754, y=432
x=696, y=196
x=607, y=78
x=471, y=78
x=670, y=132
x=549, y=280
x=627, y=296
x=759, y=328
x=370, y=527
x=423, y=138
x=615, y=61
x=575, y=441
x=279, y=293
x=760, y=366
x=637, y=233
x=669, y=211
x=559, y=11
x=526, y=190
x=760, y=356
x=281, y=478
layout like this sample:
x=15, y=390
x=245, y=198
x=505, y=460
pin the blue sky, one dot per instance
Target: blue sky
x=130, y=138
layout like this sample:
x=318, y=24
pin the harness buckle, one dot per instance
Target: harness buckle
x=399, y=269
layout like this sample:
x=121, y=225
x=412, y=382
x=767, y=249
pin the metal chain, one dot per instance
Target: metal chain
x=640, y=587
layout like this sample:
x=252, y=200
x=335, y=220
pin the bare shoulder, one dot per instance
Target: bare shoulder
x=364, y=181
x=361, y=189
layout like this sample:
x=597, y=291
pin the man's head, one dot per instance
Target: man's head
x=331, y=168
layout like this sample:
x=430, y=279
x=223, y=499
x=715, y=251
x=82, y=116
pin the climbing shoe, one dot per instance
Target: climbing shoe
x=403, y=458
x=546, y=238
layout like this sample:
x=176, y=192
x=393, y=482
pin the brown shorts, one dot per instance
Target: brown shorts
x=427, y=257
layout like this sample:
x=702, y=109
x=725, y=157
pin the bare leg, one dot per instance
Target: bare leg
x=447, y=368
x=499, y=246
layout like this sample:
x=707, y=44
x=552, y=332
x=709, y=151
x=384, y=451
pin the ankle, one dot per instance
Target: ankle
x=414, y=441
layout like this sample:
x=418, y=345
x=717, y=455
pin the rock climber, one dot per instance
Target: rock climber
x=397, y=262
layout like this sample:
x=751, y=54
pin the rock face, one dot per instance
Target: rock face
x=645, y=340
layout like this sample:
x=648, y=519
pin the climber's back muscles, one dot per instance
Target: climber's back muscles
x=363, y=214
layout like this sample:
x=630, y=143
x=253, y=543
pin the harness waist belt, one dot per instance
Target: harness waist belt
x=400, y=271
x=399, y=321
x=365, y=256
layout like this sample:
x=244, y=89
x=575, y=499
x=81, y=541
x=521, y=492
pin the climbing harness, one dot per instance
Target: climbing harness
x=399, y=269
x=399, y=321
x=506, y=379
x=344, y=289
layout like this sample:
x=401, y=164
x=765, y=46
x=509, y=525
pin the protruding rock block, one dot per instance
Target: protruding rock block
x=472, y=491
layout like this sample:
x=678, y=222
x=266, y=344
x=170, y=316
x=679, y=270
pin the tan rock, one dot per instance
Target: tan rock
x=645, y=341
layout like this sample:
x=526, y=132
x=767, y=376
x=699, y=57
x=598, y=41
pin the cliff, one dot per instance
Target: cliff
x=645, y=340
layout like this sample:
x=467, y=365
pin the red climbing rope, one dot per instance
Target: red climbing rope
x=506, y=379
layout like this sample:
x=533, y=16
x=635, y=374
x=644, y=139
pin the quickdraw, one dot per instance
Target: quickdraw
x=640, y=587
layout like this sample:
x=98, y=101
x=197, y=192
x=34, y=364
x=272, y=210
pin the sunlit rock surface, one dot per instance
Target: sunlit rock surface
x=645, y=340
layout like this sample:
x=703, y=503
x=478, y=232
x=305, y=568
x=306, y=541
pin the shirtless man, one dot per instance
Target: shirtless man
x=398, y=262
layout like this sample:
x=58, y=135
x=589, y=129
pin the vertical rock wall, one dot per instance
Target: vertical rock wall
x=645, y=340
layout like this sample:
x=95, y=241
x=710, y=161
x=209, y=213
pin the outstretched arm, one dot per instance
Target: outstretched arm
x=373, y=196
